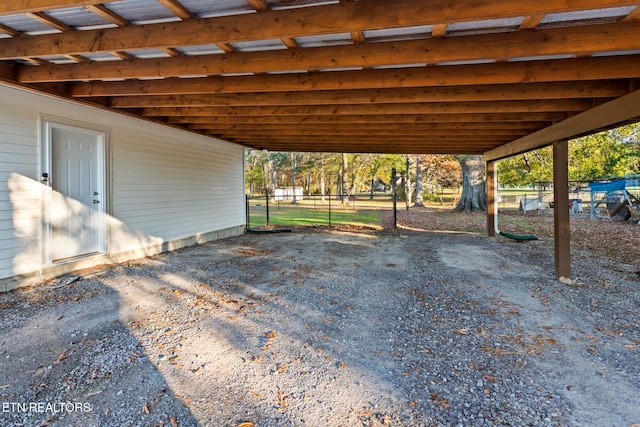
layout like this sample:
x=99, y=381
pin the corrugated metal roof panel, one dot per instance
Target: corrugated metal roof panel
x=101, y=56
x=205, y=49
x=208, y=8
x=467, y=62
x=24, y=24
x=141, y=11
x=385, y=67
x=58, y=59
x=294, y=4
x=624, y=52
x=288, y=72
x=599, y=15
x=396, y=34
x=539, y=58
x=148, y=53
x=484, y=27
x=259, y=45
x=78, y=17
x=325, y=40
x=341, y=69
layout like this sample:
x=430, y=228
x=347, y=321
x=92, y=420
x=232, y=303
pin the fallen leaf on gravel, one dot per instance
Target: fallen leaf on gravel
x=249, y=424
x=498, y=351
x=270, y=336
x=282, y=399
x=145, y=409
x=440, y=401
x=174, y=421
x=282, y=368
x=62, y=356
x=5, y=386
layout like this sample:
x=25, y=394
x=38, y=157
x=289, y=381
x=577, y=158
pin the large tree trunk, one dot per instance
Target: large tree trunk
x=473, y=197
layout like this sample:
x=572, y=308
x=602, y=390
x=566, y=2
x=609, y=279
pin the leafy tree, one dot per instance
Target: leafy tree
x=603, y=155
x=606, y=154
x=441, y=171
x=527, y=168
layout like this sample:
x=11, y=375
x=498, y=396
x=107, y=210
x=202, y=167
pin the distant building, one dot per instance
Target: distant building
x=287, y=193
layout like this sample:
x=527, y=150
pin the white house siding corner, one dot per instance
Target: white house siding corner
x=81, y=186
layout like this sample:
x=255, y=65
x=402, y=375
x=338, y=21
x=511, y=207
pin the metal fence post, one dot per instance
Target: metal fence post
x=267, y=206
x=247, y=205
x=329, y=209
x=394, y=196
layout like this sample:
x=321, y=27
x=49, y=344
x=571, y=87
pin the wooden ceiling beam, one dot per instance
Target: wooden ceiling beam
x=462, y=139
x=410, y=108
x=605, y=116
x=349, y=145
x=524, y=91
x=364, y=138
x=374, y=130
x=355, y=122
x=204, y=90
x=309, y=21
x=520, y=44
x=217, y=114
x=346, y=146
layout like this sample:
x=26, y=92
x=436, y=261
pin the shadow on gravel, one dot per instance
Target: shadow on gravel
x=333, y=329
x=67, y=359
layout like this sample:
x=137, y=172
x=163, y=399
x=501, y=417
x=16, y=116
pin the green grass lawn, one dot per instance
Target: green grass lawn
x=304, y=217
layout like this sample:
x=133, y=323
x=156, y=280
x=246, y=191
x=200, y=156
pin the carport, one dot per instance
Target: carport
x=410, y=76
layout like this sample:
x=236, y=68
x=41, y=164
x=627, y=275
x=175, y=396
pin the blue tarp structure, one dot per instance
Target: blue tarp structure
x=607, y=187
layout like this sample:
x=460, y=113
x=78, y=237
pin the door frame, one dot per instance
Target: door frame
x=47, y=124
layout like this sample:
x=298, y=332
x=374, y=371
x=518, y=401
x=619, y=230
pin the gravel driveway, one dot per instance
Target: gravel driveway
x=328, y=329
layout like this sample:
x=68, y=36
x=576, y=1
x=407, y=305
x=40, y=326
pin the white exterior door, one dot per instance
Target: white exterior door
x=75, y=213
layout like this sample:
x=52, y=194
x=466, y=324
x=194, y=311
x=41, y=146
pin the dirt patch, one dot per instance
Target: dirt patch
x=333, y=328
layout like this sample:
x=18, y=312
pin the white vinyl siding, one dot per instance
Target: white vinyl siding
x=165, y=184
x=175, y=187
x=19, y=196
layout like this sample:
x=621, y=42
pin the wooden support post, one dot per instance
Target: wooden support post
x=492, y=206
x=562, y=230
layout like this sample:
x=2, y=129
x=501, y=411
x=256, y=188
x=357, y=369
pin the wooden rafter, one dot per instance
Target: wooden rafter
x=174, y=93
x=403, y=77
x=352, y=16
x=539, y=43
